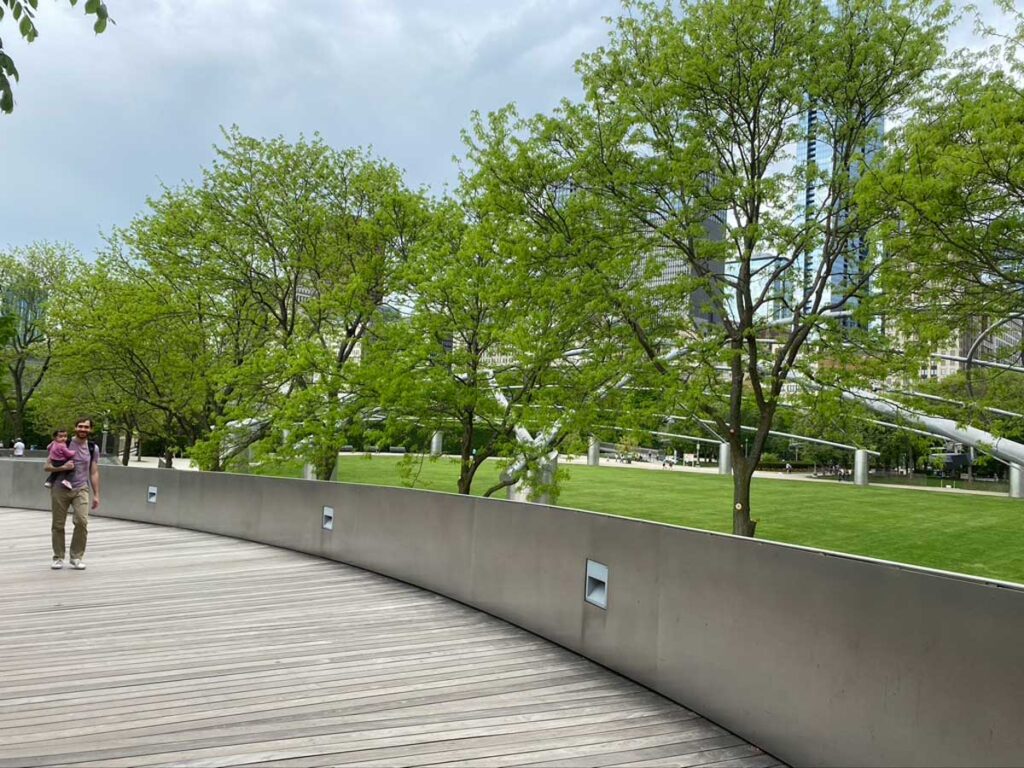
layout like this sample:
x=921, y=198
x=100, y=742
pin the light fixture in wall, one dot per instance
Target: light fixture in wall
x=151, y=495
x=596, y=589
x=328, y=519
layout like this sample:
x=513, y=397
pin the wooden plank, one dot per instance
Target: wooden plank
x=181, y=648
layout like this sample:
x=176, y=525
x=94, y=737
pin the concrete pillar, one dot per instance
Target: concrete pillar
x=103, y=441
x=308, y=472
x=860, y=467
x=1016, y=481
x=594, y=452
x=724, y=459
x=436, y=442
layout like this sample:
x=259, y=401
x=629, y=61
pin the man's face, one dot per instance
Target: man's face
x=82, y=429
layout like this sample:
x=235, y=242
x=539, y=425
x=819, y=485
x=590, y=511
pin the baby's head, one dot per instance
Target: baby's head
x=60, y=435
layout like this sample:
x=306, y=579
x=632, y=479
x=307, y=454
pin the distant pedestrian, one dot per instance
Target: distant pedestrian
x=83, y=475
x=19, y=447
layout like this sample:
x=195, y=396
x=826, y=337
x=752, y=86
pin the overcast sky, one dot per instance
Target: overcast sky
x=101, y=121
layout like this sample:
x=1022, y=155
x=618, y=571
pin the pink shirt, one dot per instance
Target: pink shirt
x=80, y=477
x=60, y=452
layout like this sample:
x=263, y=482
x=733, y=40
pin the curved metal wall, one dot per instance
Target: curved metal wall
x=821, y=659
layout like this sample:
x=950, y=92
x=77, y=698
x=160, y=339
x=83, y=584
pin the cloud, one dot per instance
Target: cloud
x=101, y=121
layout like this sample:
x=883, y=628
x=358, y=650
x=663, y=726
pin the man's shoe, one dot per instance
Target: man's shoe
x=78, y=565
x=57, y=564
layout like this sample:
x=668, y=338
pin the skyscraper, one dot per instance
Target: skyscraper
x=815, y=154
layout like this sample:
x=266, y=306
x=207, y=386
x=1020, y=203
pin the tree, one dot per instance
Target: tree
x=23, y=12
x=953, y=188
x=484, y=352
x=683, y=152
x=146, y=349
x=29, y=278
x=303, y=245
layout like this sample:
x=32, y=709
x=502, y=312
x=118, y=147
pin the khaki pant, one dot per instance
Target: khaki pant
x=61, y=499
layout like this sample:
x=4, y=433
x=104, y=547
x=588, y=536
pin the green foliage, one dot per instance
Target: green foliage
x=485, y=353
x=22, y=13
x=952, y=187
x=141, y=354
x=30, y=281
x=681, y=154
x=234, y=310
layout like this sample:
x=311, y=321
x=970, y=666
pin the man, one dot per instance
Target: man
x=84, y=474
x=19, y=447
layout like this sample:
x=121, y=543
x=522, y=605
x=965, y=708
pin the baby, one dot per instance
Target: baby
x=60, y=454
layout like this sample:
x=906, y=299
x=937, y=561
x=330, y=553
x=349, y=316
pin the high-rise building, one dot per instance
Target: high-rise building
x=815, y=153
x=993, y=347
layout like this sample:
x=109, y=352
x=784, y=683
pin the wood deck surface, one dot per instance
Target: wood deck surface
x=182, y=648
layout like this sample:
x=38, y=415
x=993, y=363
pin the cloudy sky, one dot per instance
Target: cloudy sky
x=101, y=121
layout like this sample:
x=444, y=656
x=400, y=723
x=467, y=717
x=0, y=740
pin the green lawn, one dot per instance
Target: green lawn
x=969, y=534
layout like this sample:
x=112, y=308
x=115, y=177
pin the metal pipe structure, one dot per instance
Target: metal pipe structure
x=937, y=399
x=815, y=440
x=984, y=363
x=970, y=361
x=660, y=434
x=905, y=428
x=999, y=447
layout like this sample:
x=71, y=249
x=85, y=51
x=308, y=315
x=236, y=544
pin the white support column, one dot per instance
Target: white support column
x=436, y=442
x=860, y=467
x=520, y=492
x=308, y=473
x=724, y=459
x=594, y=452
x=1016, y=481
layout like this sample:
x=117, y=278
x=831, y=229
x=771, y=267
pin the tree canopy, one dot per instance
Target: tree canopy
x=732, y=263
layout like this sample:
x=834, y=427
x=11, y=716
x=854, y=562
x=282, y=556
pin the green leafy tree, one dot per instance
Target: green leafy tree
x=485, y=353
x=146, y=348
x=29, y=278
x=304, y=244
x=683, y=152
x=23, y=14
x=954, y=191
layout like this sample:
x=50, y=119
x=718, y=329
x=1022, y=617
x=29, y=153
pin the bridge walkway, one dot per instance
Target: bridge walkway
x=182, y=648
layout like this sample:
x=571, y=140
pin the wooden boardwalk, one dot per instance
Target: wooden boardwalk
x=181, y=648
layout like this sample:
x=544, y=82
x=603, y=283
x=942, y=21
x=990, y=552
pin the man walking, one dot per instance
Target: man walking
x=19, y=447
x=84, y=473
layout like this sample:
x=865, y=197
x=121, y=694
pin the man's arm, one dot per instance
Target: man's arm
x=48, y=468
x=94, y=478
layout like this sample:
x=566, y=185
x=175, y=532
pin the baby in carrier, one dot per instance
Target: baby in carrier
x=60, y=454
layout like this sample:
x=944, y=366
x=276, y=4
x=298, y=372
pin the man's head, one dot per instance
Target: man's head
x=83, y=427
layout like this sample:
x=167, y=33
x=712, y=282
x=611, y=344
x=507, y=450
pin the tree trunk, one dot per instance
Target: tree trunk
x=325, y=465
x=126, y=451
x=18, y=422
x=467, y=464
x=466, y=476
x=168, y=458
x=742, y=525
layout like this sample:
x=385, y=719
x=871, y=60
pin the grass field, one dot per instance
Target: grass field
x=971, y=534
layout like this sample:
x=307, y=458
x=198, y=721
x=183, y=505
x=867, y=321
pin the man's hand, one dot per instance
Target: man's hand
x=95, y=502
x=48, y=468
